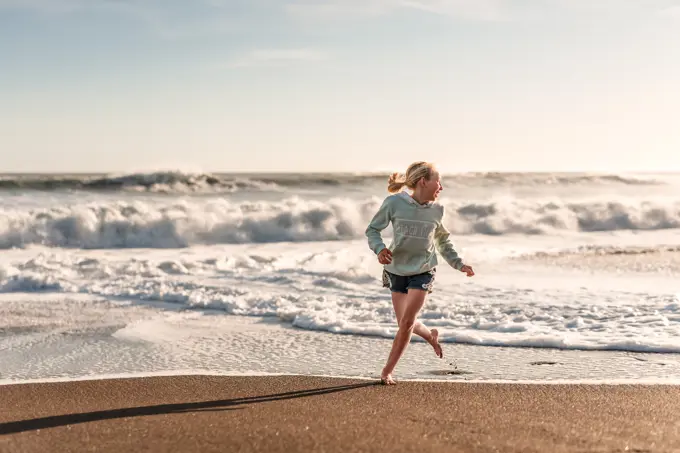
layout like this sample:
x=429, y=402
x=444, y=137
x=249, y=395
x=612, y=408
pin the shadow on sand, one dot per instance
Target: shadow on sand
x=217, y=405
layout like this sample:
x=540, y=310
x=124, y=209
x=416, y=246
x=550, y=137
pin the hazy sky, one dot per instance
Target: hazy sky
x=339, y=85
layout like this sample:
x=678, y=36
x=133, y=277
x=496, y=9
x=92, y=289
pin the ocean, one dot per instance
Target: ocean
x=577, y=277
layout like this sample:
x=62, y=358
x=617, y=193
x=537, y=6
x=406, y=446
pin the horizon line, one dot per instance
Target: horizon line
x=330, y=172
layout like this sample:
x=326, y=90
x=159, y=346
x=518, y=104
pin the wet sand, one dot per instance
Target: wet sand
x=297, y=413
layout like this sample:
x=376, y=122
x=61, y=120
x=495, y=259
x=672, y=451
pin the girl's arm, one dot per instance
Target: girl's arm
x=379, y=222
x=445, y=247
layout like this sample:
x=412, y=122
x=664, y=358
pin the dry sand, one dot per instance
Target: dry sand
x=294, y=413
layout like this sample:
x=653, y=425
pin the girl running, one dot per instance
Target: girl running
x=410, y=261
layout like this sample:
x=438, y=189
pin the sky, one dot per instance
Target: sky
x=339, y=85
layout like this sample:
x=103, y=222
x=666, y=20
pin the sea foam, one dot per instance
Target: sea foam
x=339, y=291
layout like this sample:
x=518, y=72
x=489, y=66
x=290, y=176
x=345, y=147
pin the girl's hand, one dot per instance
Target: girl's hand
x=468, y=270
x=385, y=256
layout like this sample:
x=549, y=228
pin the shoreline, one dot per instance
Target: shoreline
x=646, y=382
x=302, y=413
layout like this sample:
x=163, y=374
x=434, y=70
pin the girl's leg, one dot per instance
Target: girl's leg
x=431, y=336
x=414, y=302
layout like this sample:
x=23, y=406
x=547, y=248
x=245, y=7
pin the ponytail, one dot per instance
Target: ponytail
x=395, y=183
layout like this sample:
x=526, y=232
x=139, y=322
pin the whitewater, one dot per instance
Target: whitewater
x=170, y=272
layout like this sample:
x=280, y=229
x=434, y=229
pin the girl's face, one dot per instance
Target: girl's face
x=431, y=187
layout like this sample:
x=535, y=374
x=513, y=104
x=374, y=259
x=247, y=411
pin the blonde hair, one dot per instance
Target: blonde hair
x=414, y=173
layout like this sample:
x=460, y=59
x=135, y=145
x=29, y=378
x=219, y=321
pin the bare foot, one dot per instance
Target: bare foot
x=386, y=379
x=435, y=343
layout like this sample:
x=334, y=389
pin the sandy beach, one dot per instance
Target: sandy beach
x=199, y=201
x=295, y=413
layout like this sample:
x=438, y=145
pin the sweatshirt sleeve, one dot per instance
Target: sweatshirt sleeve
x=379, y=222
x=445, y=247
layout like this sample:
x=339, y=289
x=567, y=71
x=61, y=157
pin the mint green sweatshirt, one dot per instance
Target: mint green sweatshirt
x=418, y=233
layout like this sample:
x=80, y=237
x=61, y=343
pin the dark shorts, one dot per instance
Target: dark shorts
x=401, y=283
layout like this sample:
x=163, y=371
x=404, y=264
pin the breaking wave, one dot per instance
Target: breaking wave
x=193, y=221
x=156, y=182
